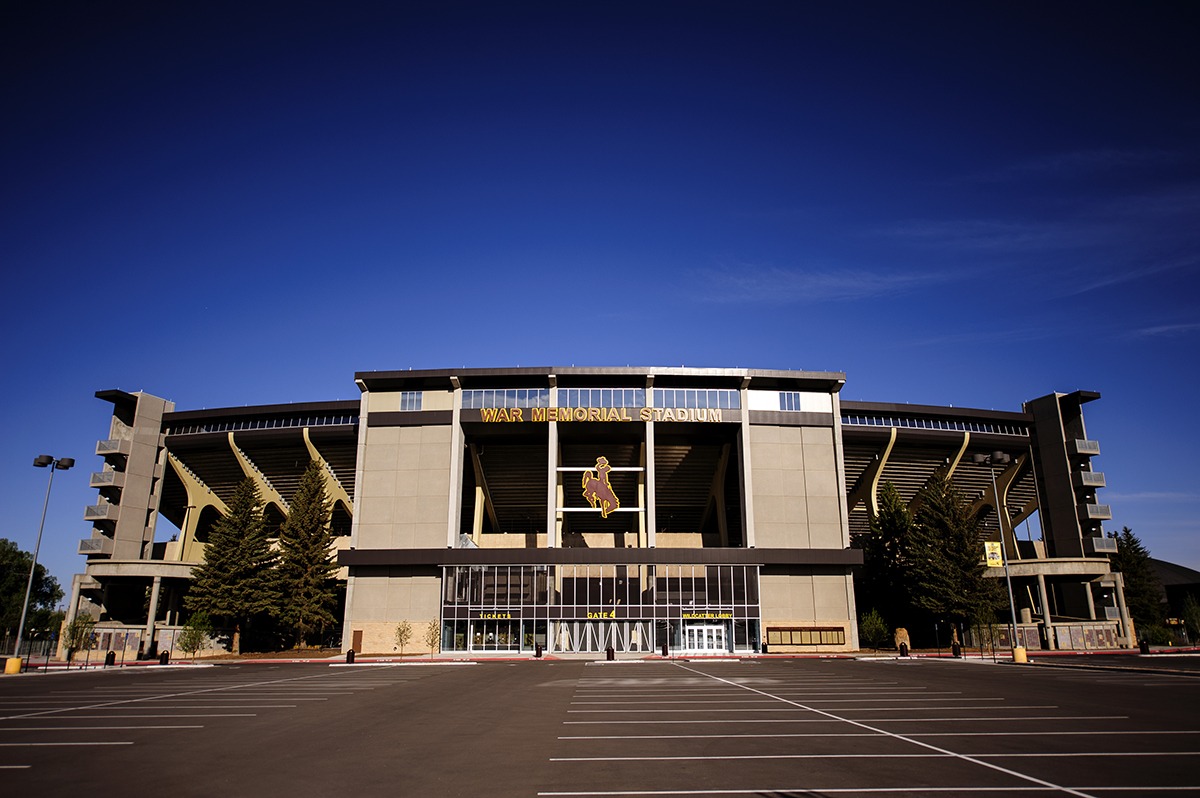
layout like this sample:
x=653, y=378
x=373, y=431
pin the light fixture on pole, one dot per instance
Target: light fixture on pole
x=1000, y=458
x=60, y=464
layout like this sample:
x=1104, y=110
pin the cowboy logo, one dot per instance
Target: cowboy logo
x=597, y=489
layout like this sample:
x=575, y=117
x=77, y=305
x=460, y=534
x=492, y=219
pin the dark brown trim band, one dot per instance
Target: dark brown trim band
x=817, y=557
x=410, y=418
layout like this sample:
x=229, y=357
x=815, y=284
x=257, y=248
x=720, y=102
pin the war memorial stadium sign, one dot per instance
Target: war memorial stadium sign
x=546, y=414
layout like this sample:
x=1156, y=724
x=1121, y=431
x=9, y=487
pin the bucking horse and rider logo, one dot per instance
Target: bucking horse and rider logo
x=598, y=490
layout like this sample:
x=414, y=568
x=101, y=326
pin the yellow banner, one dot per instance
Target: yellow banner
x=994, y=553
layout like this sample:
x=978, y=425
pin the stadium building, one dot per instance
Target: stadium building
x=578, y=509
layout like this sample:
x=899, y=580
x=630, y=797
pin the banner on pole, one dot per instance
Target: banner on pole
x=994, y=554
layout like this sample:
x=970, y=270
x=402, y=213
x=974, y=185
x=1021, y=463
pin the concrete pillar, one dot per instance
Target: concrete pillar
x=1045, y=602
x=1127, y=631
x=552, y=492
x=151, y=614
x=1091, y=601
x=747, y=469
x=453, y=511
x=651, y=504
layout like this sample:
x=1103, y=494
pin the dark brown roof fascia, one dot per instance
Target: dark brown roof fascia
x=842, y=557
x=343, y=406
x=933, y=411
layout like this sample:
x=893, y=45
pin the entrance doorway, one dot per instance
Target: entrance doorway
x=705, y=638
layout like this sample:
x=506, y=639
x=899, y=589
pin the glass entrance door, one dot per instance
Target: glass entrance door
x=705, y=638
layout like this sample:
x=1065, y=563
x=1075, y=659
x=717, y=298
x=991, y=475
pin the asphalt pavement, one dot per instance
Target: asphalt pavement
x=786, y=727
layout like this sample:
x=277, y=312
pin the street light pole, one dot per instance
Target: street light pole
x=1018, y=652
x=41, y=461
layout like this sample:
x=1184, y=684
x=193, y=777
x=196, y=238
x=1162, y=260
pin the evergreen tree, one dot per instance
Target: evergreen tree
x=946, y=558
x=235, y=581
x=885, y=579
x=308, y=591
x=1143, y=592
x=14, y=578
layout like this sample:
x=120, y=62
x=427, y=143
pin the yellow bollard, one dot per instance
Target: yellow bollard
x=12, y=665
x=1019, y=654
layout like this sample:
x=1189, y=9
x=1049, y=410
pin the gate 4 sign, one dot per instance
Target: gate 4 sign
x=994, y=554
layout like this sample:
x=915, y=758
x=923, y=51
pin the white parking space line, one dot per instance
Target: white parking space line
x=171, y=715
x=1121, y=732
x=946, y=755
x=290, y=683
x=238, y=705
x=1139, y=790
x=90, y=728
x=971, y=719
x=914, y=741
x=805, y=708
x=58, y=744
x=724, y=757
x=719, y=736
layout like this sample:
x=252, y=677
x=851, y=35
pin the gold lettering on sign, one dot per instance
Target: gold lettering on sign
x=601, y=414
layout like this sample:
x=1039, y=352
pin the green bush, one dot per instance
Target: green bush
x=872, y=630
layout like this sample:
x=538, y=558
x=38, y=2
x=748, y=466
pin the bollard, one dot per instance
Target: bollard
x=350, y=657
x=1144, y=646
x=538, y=651
x=904, y=649
x=110, y=659
x=164, y=658
x=610, y=654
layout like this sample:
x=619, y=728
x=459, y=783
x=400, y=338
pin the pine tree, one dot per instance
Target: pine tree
x=946, y=558
x=307, y=589
x=1143, y=592
x=235, y=582
x=885, y=579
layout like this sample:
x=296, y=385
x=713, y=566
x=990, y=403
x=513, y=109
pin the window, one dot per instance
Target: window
x=410, y=400
x=511, y=397
x=689, y=398
x=813, y=636
x=601, y=397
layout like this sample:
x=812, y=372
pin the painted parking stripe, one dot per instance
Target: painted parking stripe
x=56, y=744
x=929, y=746
x=804, y=709
x=171, y=715
x=946, y=755
x=1122, y=733
x=860, y=720
x=90, y=728
x=812, y=790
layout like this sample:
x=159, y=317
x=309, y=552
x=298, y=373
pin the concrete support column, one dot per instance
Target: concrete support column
x=453, y=514
x=552, y=492
x=1127, y=630
x=1091, y=602
x=747, y=468
x=651, y=504
x=152, y=614
x=1045, y=602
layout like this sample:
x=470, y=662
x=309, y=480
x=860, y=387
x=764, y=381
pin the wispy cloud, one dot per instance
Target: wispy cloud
x=992, y=235
x=773, y=285
x=1079, y=162
x=1165, y=330
x=1118, y=276
x=1152, y=496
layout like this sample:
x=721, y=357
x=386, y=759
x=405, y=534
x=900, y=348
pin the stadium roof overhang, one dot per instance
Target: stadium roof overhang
x=627, y=376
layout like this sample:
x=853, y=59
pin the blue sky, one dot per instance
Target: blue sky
x=954, y=203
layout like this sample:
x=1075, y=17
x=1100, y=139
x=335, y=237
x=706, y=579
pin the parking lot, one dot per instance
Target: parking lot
x=575, y=728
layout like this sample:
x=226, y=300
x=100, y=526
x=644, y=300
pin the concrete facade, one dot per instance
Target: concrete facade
x=577, y=509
